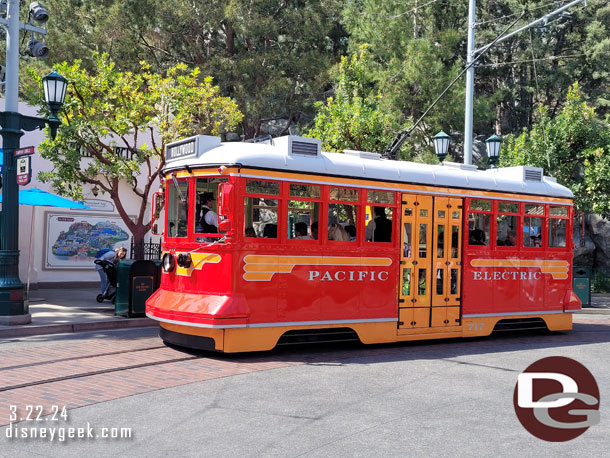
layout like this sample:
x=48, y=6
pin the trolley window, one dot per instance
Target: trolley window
x=177, y=208
x=302, y=190
x=532, y=226
x=261, y=212
x=479, y=222
x=206, y=205
x=506, y=224
x=303, y=211
x=267, y=188
x=558, y=222
x=379, y=216
x=343, y=214
x=261, y=216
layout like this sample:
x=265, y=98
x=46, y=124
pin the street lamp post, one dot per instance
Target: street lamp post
x=493, y=145
x=14, y=307
x=441, y=145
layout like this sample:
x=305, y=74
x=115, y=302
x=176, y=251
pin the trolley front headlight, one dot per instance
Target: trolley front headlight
x=168, y=262
x=184, y=260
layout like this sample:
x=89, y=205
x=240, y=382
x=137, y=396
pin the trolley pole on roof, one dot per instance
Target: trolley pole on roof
x=471, y=56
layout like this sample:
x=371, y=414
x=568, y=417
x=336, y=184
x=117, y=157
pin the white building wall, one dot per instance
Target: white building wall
x=39, y=271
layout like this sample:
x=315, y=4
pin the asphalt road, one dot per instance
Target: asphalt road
x=446, y=398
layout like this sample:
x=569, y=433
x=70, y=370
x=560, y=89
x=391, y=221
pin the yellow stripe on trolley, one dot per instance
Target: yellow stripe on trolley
x=198, y=261
x=263, y=267
x=558, y=269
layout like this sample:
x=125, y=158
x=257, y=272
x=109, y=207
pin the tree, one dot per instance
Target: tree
x=270, y=56
x=416, y=49
x=573, y=147
x=140, y=113
x=351, y=119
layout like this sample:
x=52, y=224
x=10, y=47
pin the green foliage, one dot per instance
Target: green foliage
x=270, y=56
x=351, y=119
x=600, y=283
x=574, y=147
x=415, y=51
x=141, y=112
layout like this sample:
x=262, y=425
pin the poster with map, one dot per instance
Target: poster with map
x=73, y=240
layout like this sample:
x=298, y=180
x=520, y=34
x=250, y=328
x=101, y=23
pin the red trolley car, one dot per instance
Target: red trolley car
x=314, y=245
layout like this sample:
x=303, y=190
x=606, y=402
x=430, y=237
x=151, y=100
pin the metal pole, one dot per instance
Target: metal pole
x=12, y=56
x=14, y=308
x=468, y=123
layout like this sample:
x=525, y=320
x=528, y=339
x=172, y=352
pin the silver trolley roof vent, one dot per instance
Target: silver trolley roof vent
x=532, y=174
x=299, y=146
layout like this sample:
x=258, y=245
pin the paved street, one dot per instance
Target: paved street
x=445, y=398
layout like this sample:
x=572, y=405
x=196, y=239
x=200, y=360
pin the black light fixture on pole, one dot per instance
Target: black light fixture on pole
x=493, y=145
x=441, y=145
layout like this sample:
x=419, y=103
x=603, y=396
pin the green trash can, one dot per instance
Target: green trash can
x=136, y=281
x=581, y=283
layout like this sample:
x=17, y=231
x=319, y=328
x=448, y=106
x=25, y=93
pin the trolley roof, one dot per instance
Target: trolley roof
x=304, y=155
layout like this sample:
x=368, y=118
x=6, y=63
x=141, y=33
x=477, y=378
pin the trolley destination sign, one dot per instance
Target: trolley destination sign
x=191, y=147
x=181, y=149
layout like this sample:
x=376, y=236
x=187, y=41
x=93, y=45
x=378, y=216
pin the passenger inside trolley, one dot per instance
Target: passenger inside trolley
x=300, y=230
x=380, y=229
x=351, y=230
x=270, y=231
x=476, y=237
x=314, y=230
x=337, y=233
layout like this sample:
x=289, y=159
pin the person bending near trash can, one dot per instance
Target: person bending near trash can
x=113, y=256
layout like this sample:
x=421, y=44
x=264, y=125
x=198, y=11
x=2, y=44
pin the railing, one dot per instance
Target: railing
x=145, y=250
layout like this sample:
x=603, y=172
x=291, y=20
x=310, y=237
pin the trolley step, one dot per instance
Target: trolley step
x=298, y=336
x=520, y=324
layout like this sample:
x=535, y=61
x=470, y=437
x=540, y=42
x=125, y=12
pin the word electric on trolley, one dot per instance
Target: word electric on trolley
x=304, y=245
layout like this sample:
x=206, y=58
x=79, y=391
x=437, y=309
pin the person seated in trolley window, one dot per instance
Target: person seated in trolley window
x=300, y=231
x=531, y=233
x=250, y=232
x=314, y=230
x=270, y=231
x=337, y=233
x=206, y=219
x=351, y=230
x=510, y=240
x=380, y=228
x=476, y=237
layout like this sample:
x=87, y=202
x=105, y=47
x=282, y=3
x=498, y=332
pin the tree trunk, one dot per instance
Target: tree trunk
x=137, y=243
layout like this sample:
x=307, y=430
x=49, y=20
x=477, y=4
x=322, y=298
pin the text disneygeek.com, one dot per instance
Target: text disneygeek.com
x=29, y=423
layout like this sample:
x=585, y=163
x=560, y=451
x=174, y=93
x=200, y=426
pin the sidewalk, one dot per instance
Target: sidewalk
x=64, y=310
x=58, y=311
x=600, y=304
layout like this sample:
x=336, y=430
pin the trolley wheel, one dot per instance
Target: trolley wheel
x=100, y=298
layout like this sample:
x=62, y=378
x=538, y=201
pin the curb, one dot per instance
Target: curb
x=594, y=311
x=26, y=331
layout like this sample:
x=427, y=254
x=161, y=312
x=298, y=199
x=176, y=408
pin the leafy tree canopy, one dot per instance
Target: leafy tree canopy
x=573, y=146
x=270, y=56
x=351, y=119
x=139, y=112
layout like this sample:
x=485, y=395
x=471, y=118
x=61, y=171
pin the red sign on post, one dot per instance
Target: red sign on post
x=24, y=151
x=24, y=170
